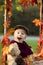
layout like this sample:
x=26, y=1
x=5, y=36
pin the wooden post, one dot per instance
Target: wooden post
x=5, y=18
x=40, y=14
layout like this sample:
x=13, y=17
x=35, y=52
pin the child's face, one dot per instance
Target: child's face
x=20, y=35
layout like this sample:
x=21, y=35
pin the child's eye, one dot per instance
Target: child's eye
x=22, y=33
x=18, y=32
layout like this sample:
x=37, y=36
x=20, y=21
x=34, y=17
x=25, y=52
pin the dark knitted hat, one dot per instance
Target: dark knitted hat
x=23, y=28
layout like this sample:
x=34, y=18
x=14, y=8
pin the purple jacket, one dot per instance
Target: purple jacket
x=24, y=48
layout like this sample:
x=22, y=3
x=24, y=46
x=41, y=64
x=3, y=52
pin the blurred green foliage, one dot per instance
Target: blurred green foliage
x=22, y=18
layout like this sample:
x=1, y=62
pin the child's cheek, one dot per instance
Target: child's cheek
x=15, y=34
x=23, y=36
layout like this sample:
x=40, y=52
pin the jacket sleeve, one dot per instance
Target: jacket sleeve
x=14, y=48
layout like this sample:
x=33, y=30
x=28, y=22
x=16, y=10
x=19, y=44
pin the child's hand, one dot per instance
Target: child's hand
x=34, y=55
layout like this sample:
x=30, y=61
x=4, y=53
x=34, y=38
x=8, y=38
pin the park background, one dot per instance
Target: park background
x=22, y=17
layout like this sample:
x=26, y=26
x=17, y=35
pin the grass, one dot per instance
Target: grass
x=32, y=43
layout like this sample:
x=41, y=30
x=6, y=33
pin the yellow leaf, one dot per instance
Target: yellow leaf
x=1, y=8
x=19, y=8
x=17, y=1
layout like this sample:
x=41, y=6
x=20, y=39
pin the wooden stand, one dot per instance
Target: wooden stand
x=5, y=10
